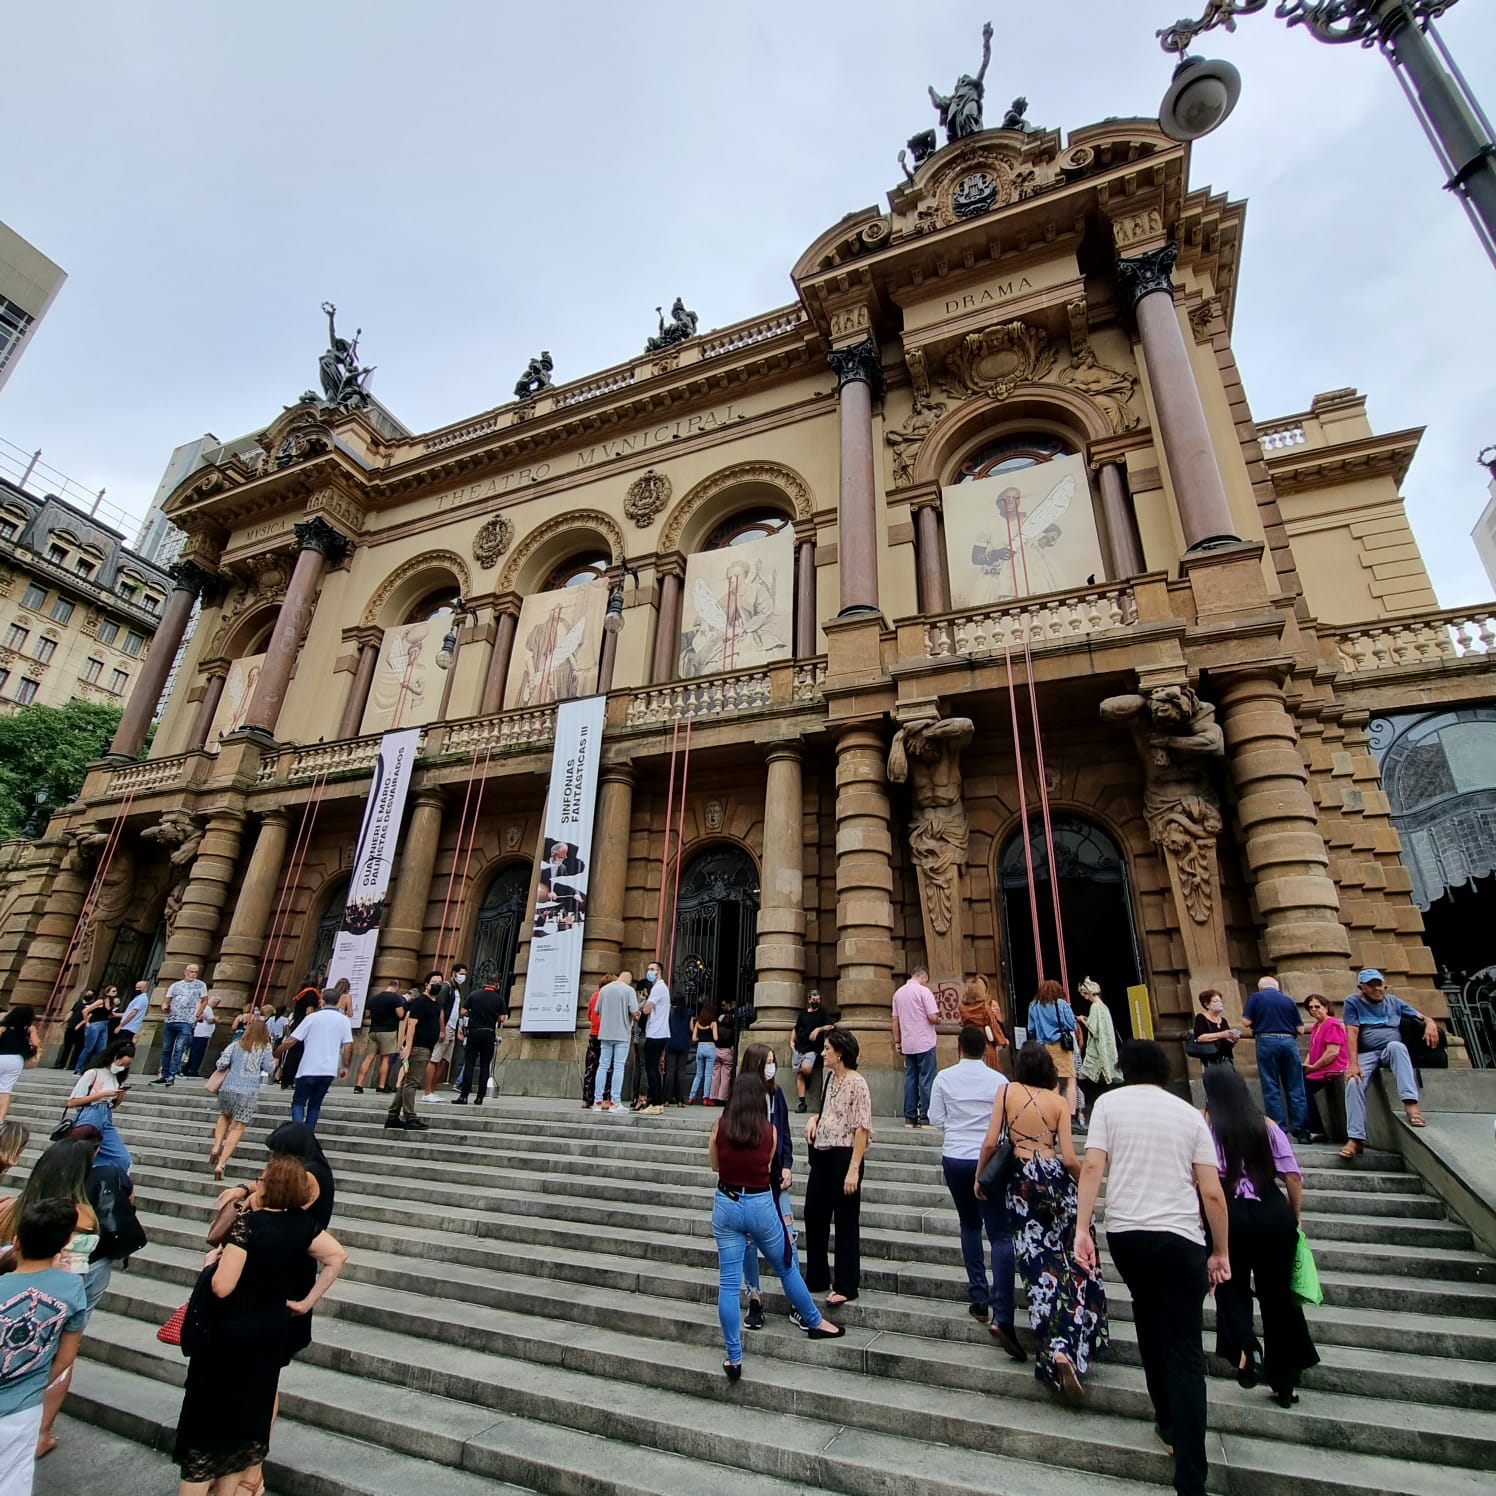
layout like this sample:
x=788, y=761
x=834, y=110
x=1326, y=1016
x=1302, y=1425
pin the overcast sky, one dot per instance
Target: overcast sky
x=471, y=182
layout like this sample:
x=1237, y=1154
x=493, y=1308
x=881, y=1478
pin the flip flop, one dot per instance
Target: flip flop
x=1351, y=1150
x=835, y=1300
x=1415, y=1119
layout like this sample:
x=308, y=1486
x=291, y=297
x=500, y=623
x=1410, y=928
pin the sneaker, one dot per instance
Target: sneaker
x=358, y=1090
x=395, y=1122
x=798, y=1320
x=463, y=1101
x=802, y=1107
x=618, y=1109
x=755, y=1319
x=432, y=1096
x=415, y=1124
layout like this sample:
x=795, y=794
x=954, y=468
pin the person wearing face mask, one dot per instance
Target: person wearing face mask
x=758, y=1059
x=1214, y=1036
x=656, y=1011
x=96, y=1096
x=449, y=995
x=419, y=1032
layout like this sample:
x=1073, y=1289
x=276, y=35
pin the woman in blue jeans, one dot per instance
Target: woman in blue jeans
x=95, y=1031
x=704, y=1031
x=96, y=1095
x=758, y=1059
x=742, y=1149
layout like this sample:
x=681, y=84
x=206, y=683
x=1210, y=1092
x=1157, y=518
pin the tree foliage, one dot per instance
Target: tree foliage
x=48, y=747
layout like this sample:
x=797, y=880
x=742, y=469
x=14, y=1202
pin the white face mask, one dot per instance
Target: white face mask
x=117, y=1068
x=770, y=1070
x=460, y=977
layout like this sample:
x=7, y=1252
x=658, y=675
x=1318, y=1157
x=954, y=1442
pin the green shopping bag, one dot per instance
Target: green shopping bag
x=1304, y=1284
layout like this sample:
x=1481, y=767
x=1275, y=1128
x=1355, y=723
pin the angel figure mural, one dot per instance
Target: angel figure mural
x=399, y=694
x=558, y=654
x=738, y=610
x=1025, y=533
x=233, y=704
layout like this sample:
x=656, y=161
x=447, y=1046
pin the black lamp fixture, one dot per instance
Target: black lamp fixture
x=613, y=618
x=448, y=652
x=34, y=822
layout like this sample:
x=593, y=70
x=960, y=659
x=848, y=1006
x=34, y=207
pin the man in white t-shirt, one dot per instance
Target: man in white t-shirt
x=326, y=1039
x=656, y=1011
x=1156, y=1153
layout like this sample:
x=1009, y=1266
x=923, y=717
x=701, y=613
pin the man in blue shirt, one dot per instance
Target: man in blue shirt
x=1273, y=1019
x=135, y=1010
x=1373, y=1038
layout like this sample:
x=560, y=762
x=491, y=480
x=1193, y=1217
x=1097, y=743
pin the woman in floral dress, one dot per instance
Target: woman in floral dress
x=245, y=1064
x=1067, y=1304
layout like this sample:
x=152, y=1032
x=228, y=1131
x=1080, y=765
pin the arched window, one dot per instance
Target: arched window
x=742, y=529
x=1008, y=454
x=577, y=571
x=433, y=605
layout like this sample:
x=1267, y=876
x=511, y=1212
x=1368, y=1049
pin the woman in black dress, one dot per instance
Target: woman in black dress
x=252, y=1319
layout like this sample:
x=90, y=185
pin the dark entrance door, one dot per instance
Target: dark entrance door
x=1095, y=908
x=716, y=928
x=134, y=956
x=500, y=918
x=327, y=932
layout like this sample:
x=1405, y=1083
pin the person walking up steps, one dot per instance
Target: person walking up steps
x=705, y=1029
x=419, y=1032
x=245, y=1064
x=1159, y=1161
x=1373, y=1040
x=617, y=1007
x=758, y=1059
x=326, y=1039
x=181, y=1002
x=915, y=1014
x=1273, y=1020
x=962, y=1104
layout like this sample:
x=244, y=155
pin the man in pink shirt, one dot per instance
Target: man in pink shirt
x=914, y=1016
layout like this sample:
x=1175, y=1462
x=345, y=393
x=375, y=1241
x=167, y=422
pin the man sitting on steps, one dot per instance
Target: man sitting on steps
x=1373, y=1039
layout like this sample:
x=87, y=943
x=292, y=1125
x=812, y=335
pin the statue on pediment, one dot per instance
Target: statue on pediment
x=537, y=376
x=343, y=382
x=682, y=325
x=961, y=110
x=918, y=149
x=1013, y=119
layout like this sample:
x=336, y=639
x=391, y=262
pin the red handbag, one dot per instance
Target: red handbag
x=171, y=1332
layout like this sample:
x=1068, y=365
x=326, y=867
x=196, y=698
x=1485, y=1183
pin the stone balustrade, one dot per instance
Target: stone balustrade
x=149, y=775
x=528, y=727
x=1454, y=634
x=1276, y=438
x=350, y=756
x=741, y=691
x=746, y=336
x=1045, y=622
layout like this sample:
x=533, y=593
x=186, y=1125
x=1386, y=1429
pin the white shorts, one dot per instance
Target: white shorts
x=11, y=1066
x=18, y=1435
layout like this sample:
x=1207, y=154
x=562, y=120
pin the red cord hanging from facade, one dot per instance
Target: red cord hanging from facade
x=279, y=925
x=659, y=942
x=680, y=842
x=1054, y=880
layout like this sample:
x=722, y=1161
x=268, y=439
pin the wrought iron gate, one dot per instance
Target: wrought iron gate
x=500, y=918
x=716, y=928
x=134, y=956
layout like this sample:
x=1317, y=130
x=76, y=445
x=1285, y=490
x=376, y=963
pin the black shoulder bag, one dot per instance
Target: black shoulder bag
x=994, y=1178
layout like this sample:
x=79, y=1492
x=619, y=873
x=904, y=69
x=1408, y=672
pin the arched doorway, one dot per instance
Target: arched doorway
x=134, y=957
x=327, y=932
x=716, y=927
x=501, y=916
x=1095, y=908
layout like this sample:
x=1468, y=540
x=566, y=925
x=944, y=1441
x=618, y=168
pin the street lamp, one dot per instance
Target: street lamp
x=32, y=829
x=446, y=656
x=1204, y=92
x=613, y=618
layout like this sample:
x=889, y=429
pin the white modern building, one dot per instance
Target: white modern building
x=29, y=283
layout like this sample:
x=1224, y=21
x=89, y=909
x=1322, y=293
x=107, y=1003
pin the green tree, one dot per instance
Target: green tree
x=48, y=747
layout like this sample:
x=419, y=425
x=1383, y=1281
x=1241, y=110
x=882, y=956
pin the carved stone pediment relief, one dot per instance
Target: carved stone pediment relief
x=646, y=497
x=494, y=537
x=995, y=361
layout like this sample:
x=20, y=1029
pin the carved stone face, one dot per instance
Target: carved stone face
x=1171, y=706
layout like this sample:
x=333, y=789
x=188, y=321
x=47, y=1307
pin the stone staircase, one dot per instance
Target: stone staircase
x=530, y=1304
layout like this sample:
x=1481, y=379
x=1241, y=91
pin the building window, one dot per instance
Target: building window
x=9, y=529
x=743, y=529
x=4, y=680
x=132, y=643
x=35, y=599
x=129, y=590
x=57, y=554
x=16, y=637
x=83, y=566
x=92, y=671
x=152, y=603
x=578, y=571
x=26, y=691
x=45, y=649
x=14, y=325
x=1010, y=453
x=62, y=610
x=108, y=631
x=119, y=681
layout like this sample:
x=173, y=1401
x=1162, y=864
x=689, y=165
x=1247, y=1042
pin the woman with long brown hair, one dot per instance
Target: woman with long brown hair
x=1051, y=1022
x=244, y=1064
x=759, y=1060
x=979, y=1009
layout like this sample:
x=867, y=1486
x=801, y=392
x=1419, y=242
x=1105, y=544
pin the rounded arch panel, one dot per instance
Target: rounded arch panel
x=1052, y=408
x=408, y=584
x=744, y=485
x=546, y=546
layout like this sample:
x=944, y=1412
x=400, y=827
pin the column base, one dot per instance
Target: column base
x=261, y=737
x=1213, y=543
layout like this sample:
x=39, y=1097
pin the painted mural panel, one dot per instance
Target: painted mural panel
x=739, y=607
x=407, y=687
x=238, y=691
x=558, y=645
x=1022, y=533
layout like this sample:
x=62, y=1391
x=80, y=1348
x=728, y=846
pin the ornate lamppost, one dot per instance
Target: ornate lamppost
x=1204, y=92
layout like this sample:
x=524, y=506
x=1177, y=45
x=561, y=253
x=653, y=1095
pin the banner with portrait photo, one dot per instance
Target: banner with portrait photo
x=555, y=968
x=1020, y=534
x=738, y=612
x=557, y=645
x=406, y=689
x=233, y=705
x=373, y=857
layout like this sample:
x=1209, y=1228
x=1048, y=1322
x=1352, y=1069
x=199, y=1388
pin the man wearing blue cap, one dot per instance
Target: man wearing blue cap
x=1374, y=1039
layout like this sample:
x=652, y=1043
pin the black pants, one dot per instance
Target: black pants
x=72, y=1042
x=1264, y=1239
x=1165, y=1274
x=480, y=1047
x=1312, y=1088
x=1091, y=1089
x=589, y=1067
x=826, y=1202
x=680, y=1066
x=654, y=1058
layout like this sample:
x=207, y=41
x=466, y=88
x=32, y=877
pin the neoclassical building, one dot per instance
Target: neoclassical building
x=978, y=534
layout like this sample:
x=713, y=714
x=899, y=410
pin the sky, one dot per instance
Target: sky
x=472, y=182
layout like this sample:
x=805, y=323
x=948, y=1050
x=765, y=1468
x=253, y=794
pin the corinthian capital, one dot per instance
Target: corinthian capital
x=316, y=534
x=187, y=576
x=1146, y=273
x=858, y=361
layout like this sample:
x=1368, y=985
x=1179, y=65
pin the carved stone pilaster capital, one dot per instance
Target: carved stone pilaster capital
x=1144, y=274
x=316, y=534
x=671, y=565
x=188, y=576
x=858, y=362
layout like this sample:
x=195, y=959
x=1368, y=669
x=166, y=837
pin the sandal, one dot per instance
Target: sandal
x=1352, y=1149
x=1071, y=1390
x=1415, y=1119
x=835, y=1300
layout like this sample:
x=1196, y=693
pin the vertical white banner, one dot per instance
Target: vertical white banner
x=358, y=936
x=555, y=968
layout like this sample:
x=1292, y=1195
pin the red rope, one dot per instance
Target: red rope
x=282, y=920
x=680, y=841
x=659, y=945
x=467, y=795
x=1054, y=879
x=1028, y=851
x=466, y=831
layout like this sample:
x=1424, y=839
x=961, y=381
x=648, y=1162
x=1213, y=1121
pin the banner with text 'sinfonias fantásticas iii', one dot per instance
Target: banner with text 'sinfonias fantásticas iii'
x=555, y=969
x=368, y=889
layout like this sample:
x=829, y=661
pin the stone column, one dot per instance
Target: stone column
x=929, y=544
x=506, y=622
x=1125, y=556
x=1145, y=284
x=805, y=595
x=864, y=882
x=238, y=970
x=363, y=678
x=320, y=545
x=607, y=885
x=129, y=736
x=1304, y=944
x=207, y=708
x=671, y=571
x=404, y=934
x=48, y=946
x=192, y=935
x=780, y=956
x=859, y=375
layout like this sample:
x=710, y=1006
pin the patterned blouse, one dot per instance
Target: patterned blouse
x=848, y=1105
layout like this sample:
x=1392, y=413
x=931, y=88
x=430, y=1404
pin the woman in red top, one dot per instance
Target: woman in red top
x=741, y=1150
x=1328, y=1059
